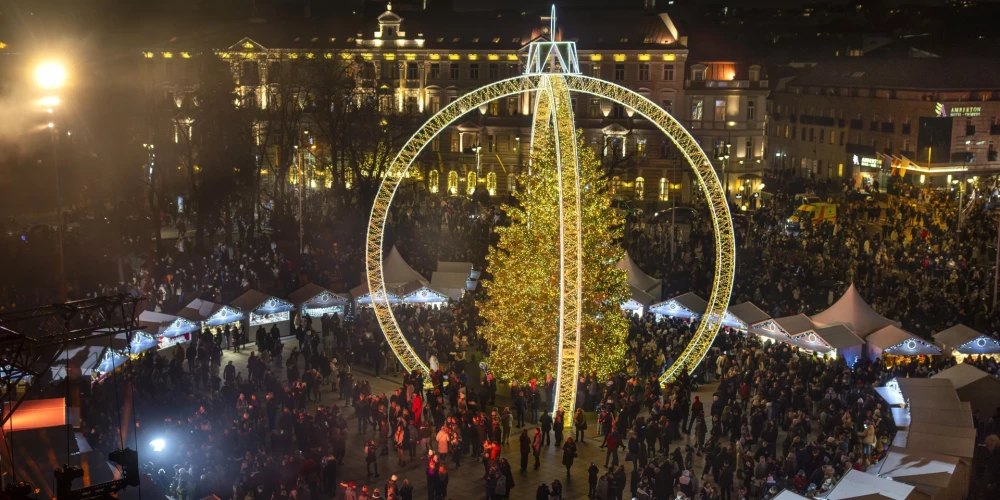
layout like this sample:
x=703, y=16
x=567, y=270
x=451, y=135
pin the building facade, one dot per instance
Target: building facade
x=932, y=119
x=417, y=62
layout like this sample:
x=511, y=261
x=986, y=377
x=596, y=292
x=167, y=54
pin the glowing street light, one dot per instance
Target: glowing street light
x=50, y=75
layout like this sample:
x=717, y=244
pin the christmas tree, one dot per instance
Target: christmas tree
x=521, y=310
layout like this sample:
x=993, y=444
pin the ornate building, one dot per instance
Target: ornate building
x=417, y=62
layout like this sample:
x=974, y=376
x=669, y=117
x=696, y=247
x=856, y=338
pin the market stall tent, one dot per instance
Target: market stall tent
x=964, y=340
x=744, y=316
x=857, y=485
x=978, y=388
x=637, y=302
x=315, y=301
x=166, y=325
x=362, y=297
x=416, y=292
x=638, y=279
x=77, y=361
x=795, y=326
x=207, y=313
x=835, y=341
x=895, y=341
x=853, y=311
x=465, y=268
x=263, y=309
x=688, y=305
x=453, y=285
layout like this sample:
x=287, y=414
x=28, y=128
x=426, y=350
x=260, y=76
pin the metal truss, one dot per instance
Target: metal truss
x=554, y=115
x=556, y=88
x=31, y=339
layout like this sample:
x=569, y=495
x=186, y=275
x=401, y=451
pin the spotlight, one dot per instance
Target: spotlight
x=158, y=444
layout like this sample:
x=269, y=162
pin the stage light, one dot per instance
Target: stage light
x=158, y=444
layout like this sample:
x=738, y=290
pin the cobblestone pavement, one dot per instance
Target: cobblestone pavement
x=466, y=481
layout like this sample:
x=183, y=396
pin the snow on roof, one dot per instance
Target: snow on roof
x=856, y=484
x=852, y=310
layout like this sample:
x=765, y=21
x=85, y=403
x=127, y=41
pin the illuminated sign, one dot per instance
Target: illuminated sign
x=316, y=312
x=264, y=319
x=866, y=161
x=941, y=112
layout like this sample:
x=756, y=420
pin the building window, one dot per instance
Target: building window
x=473, y=71
x=822, y=136
x=452, y=182
x=455, y=142
x=436, y=144
x=752, y=109
x=453, y=71
x=665, y=148
x=697, y=109
x=615, y=182
x=803, y=134
x=640, y=188
x=595, y=108
x=512, y=106
x=640, y=148
x=494, y=72
x=494, y=108
x=435, y=71
x=411, y=71
x=643, y=72
x=617, y=111
x=491, y=143
x=720, y=110
x=511, y=183
x=491, y=183
x=833, y=136
x=754, y=73
x=664, y=189
x=667, y=105
x=698, y=74
x=432, y=181
x=470, y=179
x=435, y=104
x=620, y=72
x=748, y=152
x=668, y=72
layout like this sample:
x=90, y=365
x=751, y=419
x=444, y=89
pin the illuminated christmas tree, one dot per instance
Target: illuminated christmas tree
x=522, y=308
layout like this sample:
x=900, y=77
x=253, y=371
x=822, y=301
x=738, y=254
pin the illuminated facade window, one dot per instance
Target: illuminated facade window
x=491, y=183
x=452, y=182
x=511, y=183
x=433, y=181
x=664, y=189
x=471, y=179
x=348, y=178
x=640, y=188
x=615, y=183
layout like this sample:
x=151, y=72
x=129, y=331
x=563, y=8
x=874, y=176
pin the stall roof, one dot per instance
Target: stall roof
x=918, y=467
x=927, y=389
x=748, y=313
x=943, y=439
x=892, y=336
x=640, y=297
x=789, y=495
x=638, y=279
x=689, y=302
x=158, y=323
x=308, y=292
x=452, y=284
x=361, y=292
x=891, y=396
x=956, y=335
x=397, y=272
x=839, y=336
x=962, y=375
x=455, y=267
x=414, y=287
x=853, y=311
x=857, y=484
x=961, y=416
x=796, y=325
x=199, y=310
x=253, y=299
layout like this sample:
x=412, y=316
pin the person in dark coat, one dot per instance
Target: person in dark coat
x=542, y=493
x=569, y=454
x=525, y=449
x=592, y=480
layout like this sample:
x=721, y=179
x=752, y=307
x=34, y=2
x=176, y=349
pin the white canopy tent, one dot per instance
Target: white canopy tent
x=964, y=340
x=853, y=311
x=857, y=485
x=978, y=388
x=688, y=305
x=397, y=272
x=453, y=285
x=638, y=279
x=895, y=341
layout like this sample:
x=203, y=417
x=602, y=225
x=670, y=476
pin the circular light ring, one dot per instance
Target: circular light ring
x=981, y=342
x=911, y=344
x=718, y=300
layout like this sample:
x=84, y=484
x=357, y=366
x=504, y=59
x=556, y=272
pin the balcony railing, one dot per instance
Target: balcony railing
x=725, y=84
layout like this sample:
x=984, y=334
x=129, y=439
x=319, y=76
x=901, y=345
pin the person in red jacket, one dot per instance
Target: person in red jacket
x=614, y=441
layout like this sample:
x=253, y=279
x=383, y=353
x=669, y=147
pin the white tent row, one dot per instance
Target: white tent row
x=962, y=340
x=638, y=279
x=852, y=310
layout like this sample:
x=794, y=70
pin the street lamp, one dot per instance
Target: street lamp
x=50, y=76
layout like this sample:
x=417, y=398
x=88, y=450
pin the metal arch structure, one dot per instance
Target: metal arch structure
x=551, y=117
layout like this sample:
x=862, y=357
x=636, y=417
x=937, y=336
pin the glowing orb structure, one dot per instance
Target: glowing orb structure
x=552, y=72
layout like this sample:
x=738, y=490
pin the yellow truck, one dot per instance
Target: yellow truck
x=810, y=215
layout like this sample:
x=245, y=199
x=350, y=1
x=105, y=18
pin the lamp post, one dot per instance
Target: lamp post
x=52, y=76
